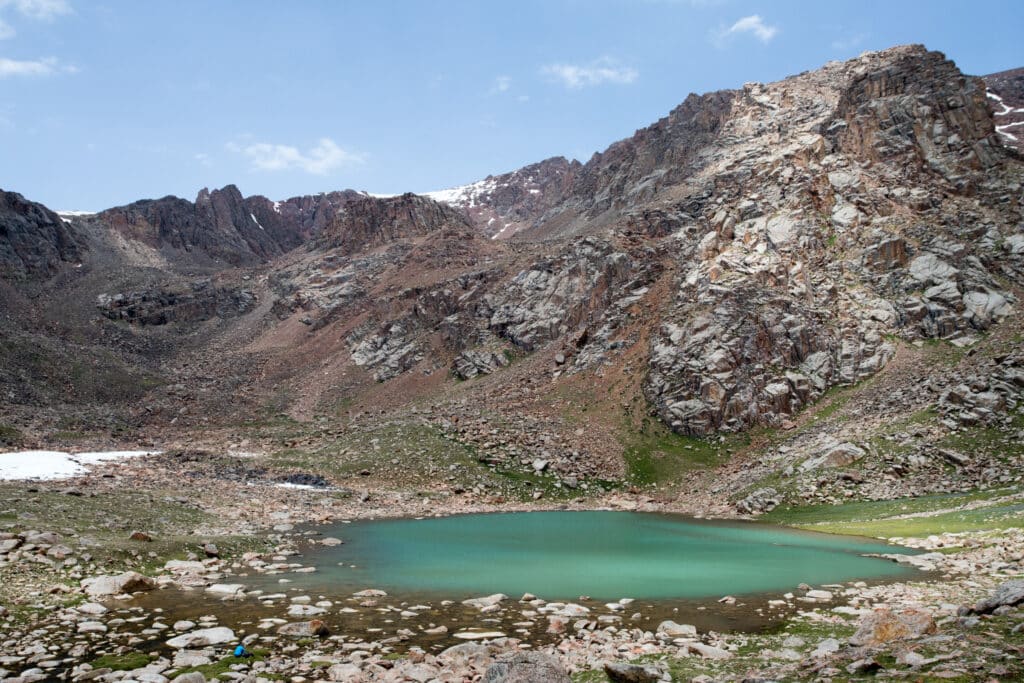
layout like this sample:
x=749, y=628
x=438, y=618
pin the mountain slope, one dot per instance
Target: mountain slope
x=720, y=270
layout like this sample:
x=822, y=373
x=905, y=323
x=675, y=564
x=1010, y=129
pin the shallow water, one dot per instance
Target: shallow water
x=604, y=555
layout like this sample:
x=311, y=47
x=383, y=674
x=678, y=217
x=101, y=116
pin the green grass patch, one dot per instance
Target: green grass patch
x=223, y=666
x=125, y=662
x=887, y=518
x=655, y=454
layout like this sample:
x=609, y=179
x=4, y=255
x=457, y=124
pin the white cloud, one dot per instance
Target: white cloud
x=38, y=67
x=753, y=25
x=501, y=84
x=604, y=70
x=325, y=156
x=203, y=159
x=40, y=10
x=43, y=10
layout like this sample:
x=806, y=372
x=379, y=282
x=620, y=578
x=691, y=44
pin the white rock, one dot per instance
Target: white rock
x=203, y=637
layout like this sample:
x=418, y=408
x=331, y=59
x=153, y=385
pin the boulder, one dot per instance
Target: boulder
x=621, y=672
x=1010, y=593
x=193, y=677
x=465, y=655
x=838, y=455
x=487, y=601
x=128, y=582
x=674, y=630
x=305, y=629
x=204, y=637
x=526, y=667
x=886, y=625
x=708, y=651
x=760, y=501
x=344, y=672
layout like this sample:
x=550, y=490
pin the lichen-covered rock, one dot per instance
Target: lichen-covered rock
x=526, y=667
x=885, y=625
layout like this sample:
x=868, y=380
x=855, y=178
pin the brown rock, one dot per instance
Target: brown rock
x=885, y=626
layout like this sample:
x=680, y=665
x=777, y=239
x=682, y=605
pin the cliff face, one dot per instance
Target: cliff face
x=365, y=222
x=34, y=241
x=220, y=225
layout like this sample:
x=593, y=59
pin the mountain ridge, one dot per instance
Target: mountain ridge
x=743, y=255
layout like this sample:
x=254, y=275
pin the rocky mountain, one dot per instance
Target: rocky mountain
x=34, y=241
x=1006, y=90
x=502, y=205
x=730, y=264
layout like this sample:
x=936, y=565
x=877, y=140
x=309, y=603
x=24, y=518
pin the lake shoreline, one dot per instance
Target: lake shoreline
x=287, y=519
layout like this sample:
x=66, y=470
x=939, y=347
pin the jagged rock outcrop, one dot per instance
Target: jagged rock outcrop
x=221, y=225
x=816, y=250
x=202, y=300
x=554, y=297
x=366, y=222
x=34, y=241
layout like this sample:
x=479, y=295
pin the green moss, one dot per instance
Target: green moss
x=127, y=662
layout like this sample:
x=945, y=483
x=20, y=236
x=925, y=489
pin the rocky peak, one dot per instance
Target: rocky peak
x=502, y=205
x=910, y=100
x=34, y=241
x=364, y=222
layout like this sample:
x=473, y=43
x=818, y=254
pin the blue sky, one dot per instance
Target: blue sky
x=107, y=102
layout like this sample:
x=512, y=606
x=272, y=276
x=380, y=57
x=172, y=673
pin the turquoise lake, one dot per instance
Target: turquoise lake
x=604, y=555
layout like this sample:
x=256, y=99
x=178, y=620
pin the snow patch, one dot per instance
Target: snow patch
x=67, y=216
x=1006, y=109
x=301, y=487
x=465, y=195
x=253, y=216
x=51, y=465
x=1010, y=136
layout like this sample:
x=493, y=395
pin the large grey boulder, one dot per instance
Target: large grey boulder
x=204, y=637
x=128, y=582
x=304, y=629
x=838, y=455
x=526, y=667
x=1010, y=593
x=194, y=677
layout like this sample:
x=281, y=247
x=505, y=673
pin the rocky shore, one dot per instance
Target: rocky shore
x=158, y=612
